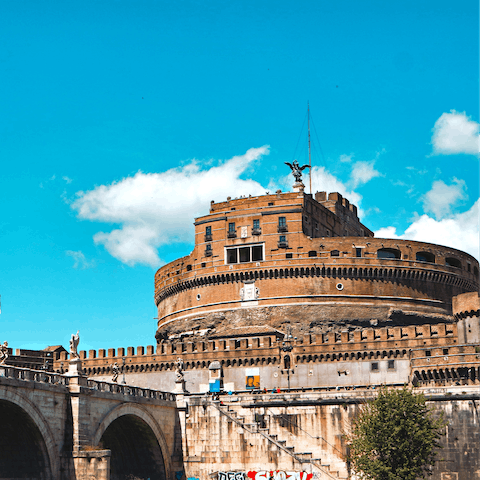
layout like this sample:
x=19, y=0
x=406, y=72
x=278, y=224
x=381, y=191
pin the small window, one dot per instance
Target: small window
x=189, y=268
x=232, y=256
x=244, y=254
x=282, y=221
x=312, y=253
x=289, y=255
x=445, y=351
x=231, y=227
x=256, y=224
x=358, y=252
x=208, y=247
x=469, y=267
x=453, y=262
x=257, y=253
x=389, y=253
x=208, y=230
x=282, y=239
x=270, y=204
x=316, y=225
x=204, y=265
x=425, y=257
x=391, y=364
x=334, y=253
x=428, y=353
x=374, y=366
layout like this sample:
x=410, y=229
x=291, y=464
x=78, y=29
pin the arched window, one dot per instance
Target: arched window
x=389, y=253
x=453, y=262
x=425, y=257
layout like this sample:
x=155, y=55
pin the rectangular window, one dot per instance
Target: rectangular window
x=208, y=230
x=289, y=255
x=282, y=239
x=374, y=366
x=232, y=255
x=358, y=252
x=282, y=221
x=256, y=224
x=428, y=353
x=231, y=227
x=391, y=364
x=257, y=253
x=445, y=351
x=244, y=254
x=208, y=247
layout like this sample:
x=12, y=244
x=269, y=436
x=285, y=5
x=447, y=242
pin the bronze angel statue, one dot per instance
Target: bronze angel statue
x=297, y=170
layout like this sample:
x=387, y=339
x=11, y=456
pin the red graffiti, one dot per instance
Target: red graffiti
x=279, y=475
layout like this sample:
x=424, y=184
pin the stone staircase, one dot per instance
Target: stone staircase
x=254, y=428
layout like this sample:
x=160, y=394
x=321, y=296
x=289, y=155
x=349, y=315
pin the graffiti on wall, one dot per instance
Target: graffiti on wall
x=279, y=475
x=231, y=476
x=266, y=475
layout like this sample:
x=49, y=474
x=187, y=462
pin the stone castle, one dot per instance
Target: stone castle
x=296, y=287
x=286, y=316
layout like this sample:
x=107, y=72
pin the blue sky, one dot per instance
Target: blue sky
x=121, y=120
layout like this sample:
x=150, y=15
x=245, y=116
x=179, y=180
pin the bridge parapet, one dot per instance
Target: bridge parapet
x=130, y=390
x=41, y=376
x=30, y=375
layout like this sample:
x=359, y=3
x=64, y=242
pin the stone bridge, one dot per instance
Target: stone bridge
x=64, y=427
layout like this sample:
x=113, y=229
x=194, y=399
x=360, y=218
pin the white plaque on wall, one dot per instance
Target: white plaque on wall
x=243, y=232
x=249, y=294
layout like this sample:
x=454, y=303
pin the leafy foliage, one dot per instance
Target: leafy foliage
x=394, y=437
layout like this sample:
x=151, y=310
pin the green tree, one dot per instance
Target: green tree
x=394, y=437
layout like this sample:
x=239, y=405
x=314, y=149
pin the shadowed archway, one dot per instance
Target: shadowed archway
x=23, y=452
x=136, y=453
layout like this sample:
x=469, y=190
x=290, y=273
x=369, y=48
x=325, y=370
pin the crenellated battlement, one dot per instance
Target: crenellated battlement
x=267, y=349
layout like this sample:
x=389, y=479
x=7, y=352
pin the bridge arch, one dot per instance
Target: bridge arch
x=135, y=419
x=22, y=422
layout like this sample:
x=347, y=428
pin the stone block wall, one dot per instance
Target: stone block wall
x=304, y=432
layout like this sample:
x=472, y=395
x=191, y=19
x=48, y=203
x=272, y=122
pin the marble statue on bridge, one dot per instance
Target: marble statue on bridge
x=3, y=353
x=74, y=345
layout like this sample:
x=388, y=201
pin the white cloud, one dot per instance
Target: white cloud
x=387, y=232
x=455, y=133
x=346, y=158
x=155, y=209
x=460, y=231
x=442, y=197
x=66, y=179
x=363, y=172
x=324, y=181
x=80, y=260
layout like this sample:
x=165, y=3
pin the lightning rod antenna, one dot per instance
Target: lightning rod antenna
x=309, y=149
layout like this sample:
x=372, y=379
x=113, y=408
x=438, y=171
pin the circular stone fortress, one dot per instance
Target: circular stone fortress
x=304, y=261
